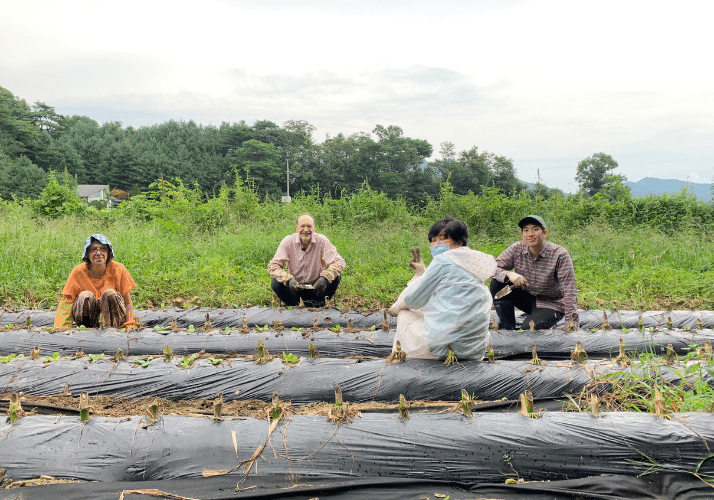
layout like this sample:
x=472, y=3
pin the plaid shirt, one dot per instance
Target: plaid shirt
x=320, y=258
x=550, y=276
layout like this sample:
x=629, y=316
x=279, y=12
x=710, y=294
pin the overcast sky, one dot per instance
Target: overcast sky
x=543, y=82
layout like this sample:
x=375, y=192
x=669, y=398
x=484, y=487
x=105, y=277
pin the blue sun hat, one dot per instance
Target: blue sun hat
x=101, y=239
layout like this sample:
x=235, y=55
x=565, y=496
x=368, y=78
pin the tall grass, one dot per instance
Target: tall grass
x=214, y=252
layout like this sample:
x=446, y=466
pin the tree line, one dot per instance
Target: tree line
x=35, y=139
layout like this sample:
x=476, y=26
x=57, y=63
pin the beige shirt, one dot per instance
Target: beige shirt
x=320, y=258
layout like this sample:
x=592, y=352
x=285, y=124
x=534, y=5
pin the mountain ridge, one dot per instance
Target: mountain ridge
x=655, y=186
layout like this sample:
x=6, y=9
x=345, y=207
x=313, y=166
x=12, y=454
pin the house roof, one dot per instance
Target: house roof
x=87, y=190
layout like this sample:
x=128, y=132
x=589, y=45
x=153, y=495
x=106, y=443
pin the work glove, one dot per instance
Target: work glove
x=416, y=263
x=293, y=285
x=320, y=285
x=517, y=280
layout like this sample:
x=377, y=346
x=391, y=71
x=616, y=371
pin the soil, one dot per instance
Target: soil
x=110, y=406
x=10, y=484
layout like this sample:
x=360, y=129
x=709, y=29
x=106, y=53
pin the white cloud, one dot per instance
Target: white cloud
x=546, y=83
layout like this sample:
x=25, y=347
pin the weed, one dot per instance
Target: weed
x=15, y=408
x=535, y=360
x=95, y=357
x=605, y=323
x=153, y=412
x=643, y=387
x=10, y=357
x=578, y=355
x=187, y=361
x=467, y=402
x=215, y=361
x=35, y=354
x=191, y=328
x=312, y=351
x=339, y=412
x=507, y=460
x=290, y=358
x=262, y=328
x=670, y=354
x=79, y=354
x=168, y=353
x=335, y=328
x=142, y=362
x=489, y=354
x=571, y=324
x=450, y=358
x=396, y=356
x=276, y=409
x=118, y=356
x=403, y=407
x=527, y=405
x=48, y=359
x=622, y=358
x=261, y=354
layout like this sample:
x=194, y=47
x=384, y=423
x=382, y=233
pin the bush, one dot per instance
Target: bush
x=58, y=199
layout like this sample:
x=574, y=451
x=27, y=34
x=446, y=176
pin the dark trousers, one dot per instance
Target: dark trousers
x=306, y=294
x=542, y=317
x=86, y=309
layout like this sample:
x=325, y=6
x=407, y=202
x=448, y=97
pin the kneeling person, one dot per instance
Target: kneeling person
x=313, y=266
x=446, y=306
x=97, y=287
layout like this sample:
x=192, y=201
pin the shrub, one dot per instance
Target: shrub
x=58, y=199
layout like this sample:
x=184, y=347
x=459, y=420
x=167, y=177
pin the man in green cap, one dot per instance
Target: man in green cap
x=537, y=277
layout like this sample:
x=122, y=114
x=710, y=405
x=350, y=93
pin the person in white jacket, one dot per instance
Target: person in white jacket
x=447, y=306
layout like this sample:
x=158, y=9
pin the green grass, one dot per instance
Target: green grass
x=174, y=256
x=642, y=388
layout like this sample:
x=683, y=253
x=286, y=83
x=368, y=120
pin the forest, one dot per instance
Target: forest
x=35, y=139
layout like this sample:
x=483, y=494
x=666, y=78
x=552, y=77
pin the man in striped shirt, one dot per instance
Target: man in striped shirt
x=313, y=266
x=542, y=279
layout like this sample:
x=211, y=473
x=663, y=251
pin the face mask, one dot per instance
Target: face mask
x=438, y=249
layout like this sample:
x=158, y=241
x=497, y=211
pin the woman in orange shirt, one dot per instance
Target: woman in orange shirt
x=98, y=291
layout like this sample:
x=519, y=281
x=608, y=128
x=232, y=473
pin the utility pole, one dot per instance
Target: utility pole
x=287, y=199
